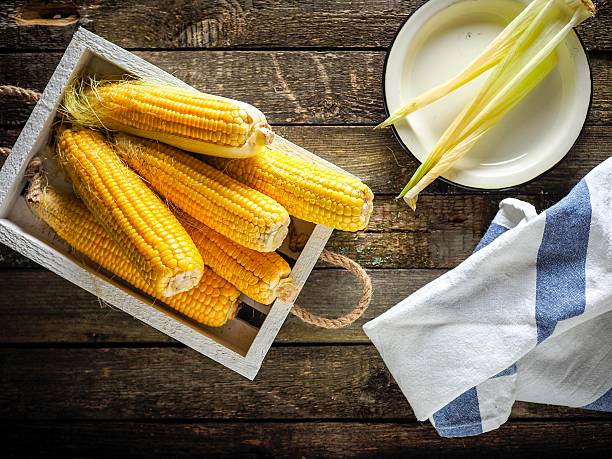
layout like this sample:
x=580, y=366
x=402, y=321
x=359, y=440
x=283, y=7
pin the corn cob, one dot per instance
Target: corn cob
x=308, y=191
x=187, y=119
x=240, y=213
x=211, y=302
x=260, y=276
x=148, y=232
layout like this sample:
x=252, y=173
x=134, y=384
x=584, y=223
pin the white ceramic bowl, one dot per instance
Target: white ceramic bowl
x=440, y=39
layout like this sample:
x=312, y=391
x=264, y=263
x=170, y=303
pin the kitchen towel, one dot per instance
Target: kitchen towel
x=528, y=316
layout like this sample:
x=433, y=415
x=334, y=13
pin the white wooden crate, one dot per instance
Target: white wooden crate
x=239, y=345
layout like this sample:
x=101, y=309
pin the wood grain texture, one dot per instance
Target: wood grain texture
x=119, y=388
x=304, y=440
x=441, y=234
x=229, y=23
x=291, y=87
x=330, y=382
x=448, y=223
x=60, y=312
x=377, y=158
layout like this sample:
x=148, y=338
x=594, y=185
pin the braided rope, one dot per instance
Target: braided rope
x=364, y=301
x=36, y=176
x=15, y=91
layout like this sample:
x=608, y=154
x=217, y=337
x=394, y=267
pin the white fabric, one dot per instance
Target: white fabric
x=533, y=302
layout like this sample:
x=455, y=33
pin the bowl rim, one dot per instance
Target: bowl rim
x=467, y=187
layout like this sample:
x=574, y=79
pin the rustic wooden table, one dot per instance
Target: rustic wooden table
x=78, y=376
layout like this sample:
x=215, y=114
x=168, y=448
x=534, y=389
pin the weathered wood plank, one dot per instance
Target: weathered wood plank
x=59, y=312
x=228, y=23
x=290, y=87
x=308, y=439
x=177, y=383
x=445, y=228
x=10, y=258
x=377, y=158
x=440, y=234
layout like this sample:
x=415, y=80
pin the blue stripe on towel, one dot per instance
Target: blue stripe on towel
x=511, y=370
x=560, y=294
x=461, y=417
x=603, y=403
x=492, y=233
x=560, y=284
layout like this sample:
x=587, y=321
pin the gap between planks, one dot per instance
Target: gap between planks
x=205, y=421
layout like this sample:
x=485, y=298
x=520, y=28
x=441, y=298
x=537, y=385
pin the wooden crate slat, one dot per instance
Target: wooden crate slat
x=237, y=345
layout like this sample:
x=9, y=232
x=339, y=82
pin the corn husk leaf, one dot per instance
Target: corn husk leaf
x=489, y=58
x=526, y=63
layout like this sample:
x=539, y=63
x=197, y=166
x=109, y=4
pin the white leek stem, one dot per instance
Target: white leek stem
x=489, y=58
x=461, y=149
x=525, y=64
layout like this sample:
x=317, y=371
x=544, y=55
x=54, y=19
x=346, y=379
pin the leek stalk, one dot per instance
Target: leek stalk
x=524, y=63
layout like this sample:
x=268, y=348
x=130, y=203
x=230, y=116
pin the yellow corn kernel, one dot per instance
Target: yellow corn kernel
x=147, y=231
x=308, y=191
x=231, y=208
x=213, y=301
x=185, y=118
x=260, y=276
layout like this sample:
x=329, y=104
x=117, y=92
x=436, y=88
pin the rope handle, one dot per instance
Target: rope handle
x=28, y=95
x=35, y=174
x=364, y=301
